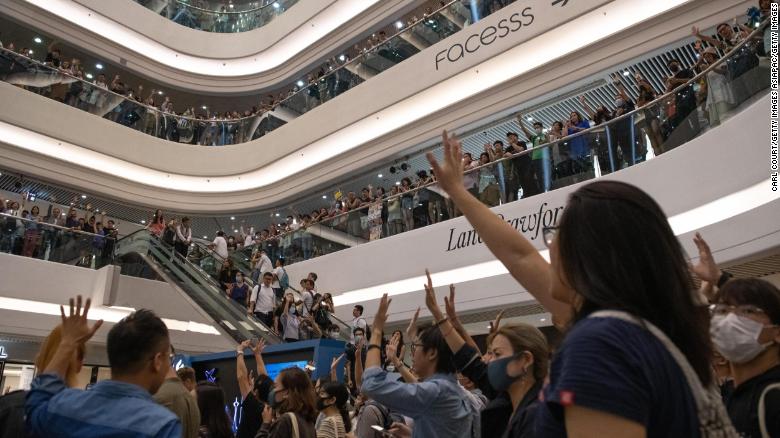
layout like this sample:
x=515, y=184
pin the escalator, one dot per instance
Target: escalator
x=161, y=262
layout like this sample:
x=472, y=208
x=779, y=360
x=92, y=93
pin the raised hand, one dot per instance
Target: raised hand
x=449, y=173
x=411, y=330
x=449, y=305
x=244, y=345
x=335, y=362
x=75, y=328
x=391, y=349
x=430, y=298
x=496, y=323
x=268, y=414
x=258, y=347
x=381, y=314
x=706, y=269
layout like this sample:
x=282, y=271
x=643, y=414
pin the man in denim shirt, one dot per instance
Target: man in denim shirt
x=437, y=403
x=139, y=355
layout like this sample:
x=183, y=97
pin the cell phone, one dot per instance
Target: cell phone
x=382, y=431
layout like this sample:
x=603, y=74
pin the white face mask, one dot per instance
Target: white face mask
x=538, y=130
x=736, y=337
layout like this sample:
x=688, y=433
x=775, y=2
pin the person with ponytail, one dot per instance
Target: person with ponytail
x=332, y=402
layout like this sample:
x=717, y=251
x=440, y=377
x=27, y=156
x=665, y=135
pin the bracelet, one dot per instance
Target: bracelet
x=724, y=277
x=239, y=352
x=371, y=346
x=442, y=321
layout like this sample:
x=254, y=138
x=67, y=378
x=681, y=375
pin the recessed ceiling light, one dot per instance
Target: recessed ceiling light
x=277, y=214
x=159, y=92
x=89, y=75
x=38, y=40
x=99, y=66
x=626, y=73
x=398, y=183
x=30, y=52
x=299, y=83
x=205, y=107
x=63, y=213
x=324, y=196
x=83, y=196
x=231, y=6
x=143, y=221
x=232, y=218
x=235, y=231
x=342, y=58
x=398, y=24
x=543, y=319
x=277, y=5
x=205, y=237
x=529, y=118
x=379, y=176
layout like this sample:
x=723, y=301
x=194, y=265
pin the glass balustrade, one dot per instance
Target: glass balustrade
x=46, y=238
x=104, y=98
x=218, y=17
x=695, y=105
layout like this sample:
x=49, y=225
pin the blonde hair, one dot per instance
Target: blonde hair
x=525, y=337
x=46, y=354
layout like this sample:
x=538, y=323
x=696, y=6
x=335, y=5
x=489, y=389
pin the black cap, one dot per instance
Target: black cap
x=512, y=133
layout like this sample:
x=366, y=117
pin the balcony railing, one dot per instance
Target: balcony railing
x=219, y=17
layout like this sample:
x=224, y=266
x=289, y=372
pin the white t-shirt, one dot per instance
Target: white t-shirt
x=265, y=265
x=263, y=297
x=249, y=240
x=358, y=322
x=279, y=272
x=220, y=247
x=308, y=301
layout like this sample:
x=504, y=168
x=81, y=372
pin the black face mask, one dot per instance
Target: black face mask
x=321, y=406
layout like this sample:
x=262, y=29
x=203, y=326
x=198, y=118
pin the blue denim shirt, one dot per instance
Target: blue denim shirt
x=437, y=404
x=110, y=409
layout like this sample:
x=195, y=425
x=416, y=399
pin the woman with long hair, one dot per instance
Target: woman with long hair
x=32, y=232
x=292, y=400
x=332, y=402
x=637, y=350
x=214, y=420
x=157, y=224
x=12, y=404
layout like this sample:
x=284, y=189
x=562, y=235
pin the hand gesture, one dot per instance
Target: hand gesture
x=449, y=172
x=430, y=298
x=259, y=347
x=391, y=349
x=268, y=414
x=335, y=362
x=411, y=330
x=243, y=345
x=449, y=305
x=75, y=328
x=400, y=430
x=495, y=324
x=381, y=314
x=707, y=270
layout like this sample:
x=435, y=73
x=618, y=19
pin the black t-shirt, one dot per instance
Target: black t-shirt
x=617, y=367
x=742, y=404
x=51, y=60
x=251, y=417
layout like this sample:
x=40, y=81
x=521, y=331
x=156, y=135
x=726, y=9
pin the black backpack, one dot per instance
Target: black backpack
x=388, y=417
x=169, y=235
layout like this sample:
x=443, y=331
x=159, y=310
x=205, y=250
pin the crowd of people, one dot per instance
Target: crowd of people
x=150, y=111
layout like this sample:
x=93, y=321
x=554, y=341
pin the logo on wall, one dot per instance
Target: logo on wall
x=3, y=354
x=211, y=375
x=530, y=225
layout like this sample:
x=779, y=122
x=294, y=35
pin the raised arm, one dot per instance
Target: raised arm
x=334, y=365
x=516, y=253
x=244, y=383
x=257, y=350
x=391, y=351
x=359, y=361
x=588, y=109
x=695, y=31
x=75, y=333
x=522, y=126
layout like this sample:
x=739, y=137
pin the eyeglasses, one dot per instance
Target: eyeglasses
x=746, y=310
x=549, y=233
x=413, y=346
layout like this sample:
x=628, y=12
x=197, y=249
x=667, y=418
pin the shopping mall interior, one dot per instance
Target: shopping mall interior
x=266, y=176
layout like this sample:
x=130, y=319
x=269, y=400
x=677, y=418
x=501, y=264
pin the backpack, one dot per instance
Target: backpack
x=388, y=417
x=714, y=421
x=169, y=236
x=284, y=281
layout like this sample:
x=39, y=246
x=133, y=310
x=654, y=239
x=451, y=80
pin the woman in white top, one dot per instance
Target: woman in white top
x=332, y=403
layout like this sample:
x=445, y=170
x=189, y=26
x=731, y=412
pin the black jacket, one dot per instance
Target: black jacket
x=742, y=404
x=12, y=415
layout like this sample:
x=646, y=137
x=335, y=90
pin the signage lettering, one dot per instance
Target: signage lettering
x=531, y=225
x=3, y=354
x=487, y=37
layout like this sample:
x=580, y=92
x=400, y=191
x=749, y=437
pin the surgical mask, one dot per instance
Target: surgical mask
x=538, y=130
x=619, y=102
x=497, y=374
x=321, y=406
x=736, y=337
x=358, y=338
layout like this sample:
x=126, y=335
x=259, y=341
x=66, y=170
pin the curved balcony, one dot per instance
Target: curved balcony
x=217, y=17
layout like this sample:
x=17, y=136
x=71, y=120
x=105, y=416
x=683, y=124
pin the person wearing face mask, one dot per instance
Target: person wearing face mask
x=292, y=400
x=511, y=379
x=289, y=319
x=745, y=330
x=240, y=290
x=332, y=403
x=635, y=361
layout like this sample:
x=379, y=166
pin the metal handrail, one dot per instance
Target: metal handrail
x=64, y=229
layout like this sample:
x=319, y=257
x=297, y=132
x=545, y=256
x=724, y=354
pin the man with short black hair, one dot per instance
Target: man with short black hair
x=187, y=376
x=262, y=302
x=139, y=351
x=358, y=322
x=173, y=394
